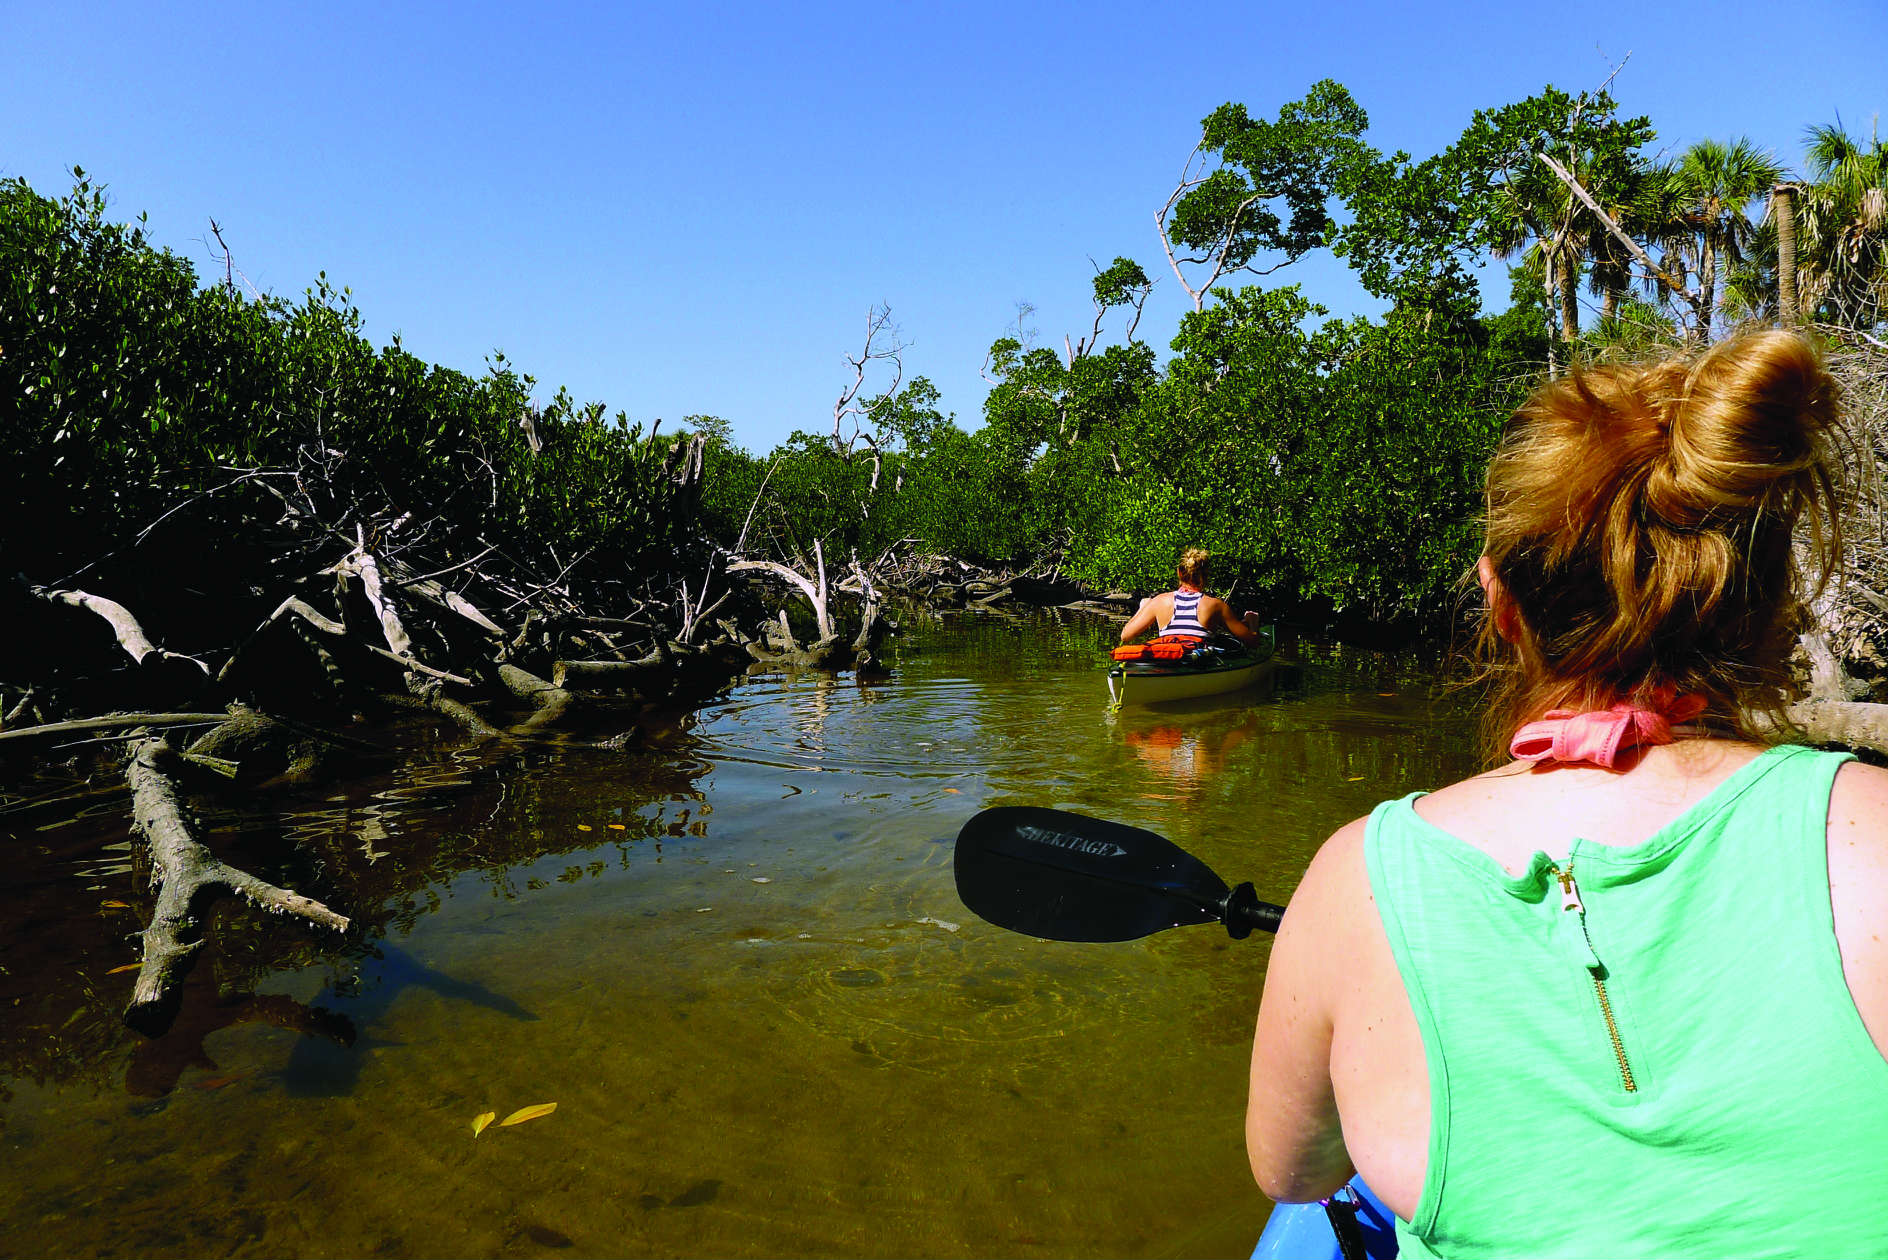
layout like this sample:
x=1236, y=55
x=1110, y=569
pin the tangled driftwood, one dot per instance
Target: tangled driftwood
x=1848, y=645
x=830, y=648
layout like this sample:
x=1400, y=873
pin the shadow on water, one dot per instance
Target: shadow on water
x=158, y=1065
x=325, y=1065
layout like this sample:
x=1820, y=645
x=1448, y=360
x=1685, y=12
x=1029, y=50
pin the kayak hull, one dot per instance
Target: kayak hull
x=1138, y=682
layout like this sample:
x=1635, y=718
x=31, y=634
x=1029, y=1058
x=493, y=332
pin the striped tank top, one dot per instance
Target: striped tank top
x=1186, y=615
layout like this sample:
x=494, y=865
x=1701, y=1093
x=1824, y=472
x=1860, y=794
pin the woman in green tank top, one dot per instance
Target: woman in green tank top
x=1627, y=993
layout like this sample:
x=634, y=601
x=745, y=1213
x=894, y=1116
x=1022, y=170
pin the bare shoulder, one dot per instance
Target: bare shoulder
x=1335, y=883
x=1317, y=932
x=1858, y=833
x=1858, y=888
x=1342, y=854
x=1472, y=807
x=1858, y=803
x=1488, y=786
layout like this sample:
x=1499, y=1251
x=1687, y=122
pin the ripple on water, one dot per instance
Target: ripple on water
x=913, y=727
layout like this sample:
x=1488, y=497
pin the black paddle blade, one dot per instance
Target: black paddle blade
x=1068, y=877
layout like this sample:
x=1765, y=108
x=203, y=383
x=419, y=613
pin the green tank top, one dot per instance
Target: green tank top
x=1658, y=1056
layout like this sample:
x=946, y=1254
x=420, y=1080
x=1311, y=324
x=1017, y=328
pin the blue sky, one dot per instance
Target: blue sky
x=691, y=207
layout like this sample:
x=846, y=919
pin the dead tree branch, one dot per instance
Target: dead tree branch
x=114, y=721
x=882, y=345
x=189, y=877
x=1690, y=297
x=1220, y=255
x=124, y=627
x=815, y=592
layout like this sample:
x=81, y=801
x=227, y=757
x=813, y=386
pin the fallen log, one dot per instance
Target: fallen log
x=549, y=701
x=189, y=877
x=264, y=748
x=464, y=715
x=673, y=670
x=614, y=675
x=112, y=721
x=1850, y=723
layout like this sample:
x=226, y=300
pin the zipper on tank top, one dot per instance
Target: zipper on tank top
x=1571, y=905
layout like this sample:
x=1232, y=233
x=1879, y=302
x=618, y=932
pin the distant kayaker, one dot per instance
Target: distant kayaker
x=1627, y=994
x=1189, y=610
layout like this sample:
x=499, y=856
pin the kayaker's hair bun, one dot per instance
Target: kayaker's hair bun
x=1641, y=518
x=1192, y=566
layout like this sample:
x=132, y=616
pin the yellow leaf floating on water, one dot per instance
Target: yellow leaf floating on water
x=1355, y=778
x=481, y=1120
x=618, y=827
x=954, y=791
x=583, y=826
x=114, y=905
x=528, y=1113
x=127, y=967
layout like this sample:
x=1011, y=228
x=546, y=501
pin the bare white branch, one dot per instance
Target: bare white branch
x=1620, y=234
x=882, y=345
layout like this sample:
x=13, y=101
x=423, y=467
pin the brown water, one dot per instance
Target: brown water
x=733, y=958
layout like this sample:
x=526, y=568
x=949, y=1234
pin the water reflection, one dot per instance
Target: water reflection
x=1187, y=750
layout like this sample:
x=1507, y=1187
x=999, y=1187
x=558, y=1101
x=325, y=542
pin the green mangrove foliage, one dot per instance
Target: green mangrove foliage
x=149, y=426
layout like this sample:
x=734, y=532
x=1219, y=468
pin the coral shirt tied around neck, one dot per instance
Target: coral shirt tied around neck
x=1599, y=737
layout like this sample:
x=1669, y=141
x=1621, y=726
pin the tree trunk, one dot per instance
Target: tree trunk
x=1569, y=299
x=1707, y=287
x=1553, y=327
x=1783, y=204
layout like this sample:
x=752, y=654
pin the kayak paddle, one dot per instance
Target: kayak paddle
x=1068, y=877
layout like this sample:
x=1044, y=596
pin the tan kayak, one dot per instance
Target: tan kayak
x=1209, y=672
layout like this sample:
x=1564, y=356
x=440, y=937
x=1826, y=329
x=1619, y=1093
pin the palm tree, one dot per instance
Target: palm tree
x=1636, y=201
x=1528, y=231
x=1752, y=288
x=1842, y=228
x=1782, y=220
x=1716, y=183
x=1655, y=215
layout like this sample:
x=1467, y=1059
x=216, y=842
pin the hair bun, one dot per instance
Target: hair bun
x=1747, y=426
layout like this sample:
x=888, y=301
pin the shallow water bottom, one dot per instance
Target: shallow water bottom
x=768, y=1025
